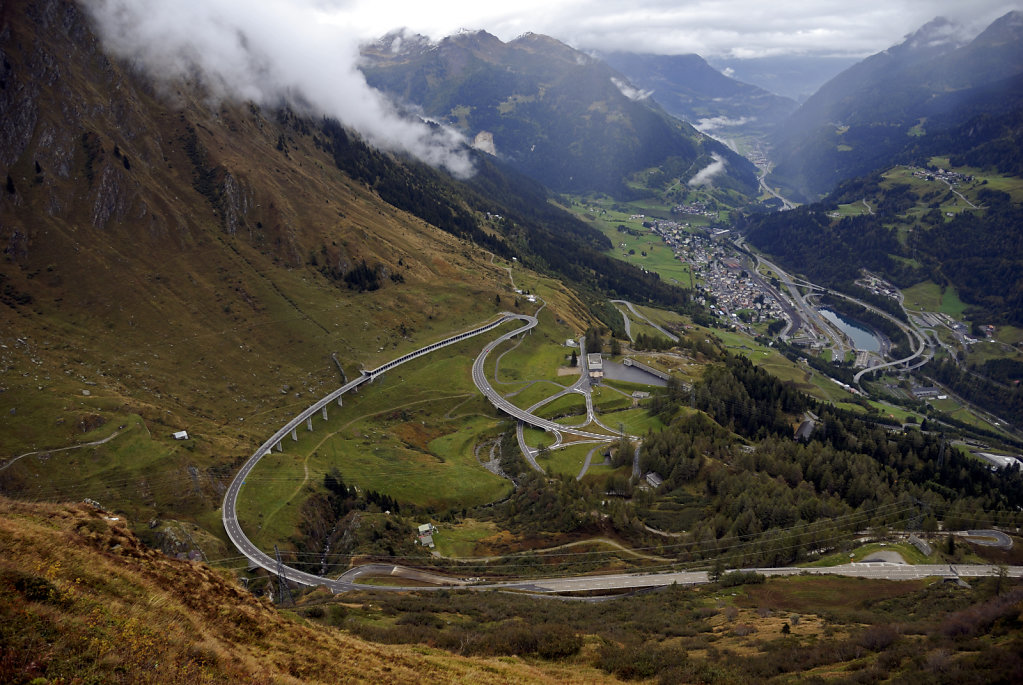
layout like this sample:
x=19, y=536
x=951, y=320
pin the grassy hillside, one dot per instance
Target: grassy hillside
x=173, y=263
x=82, y=600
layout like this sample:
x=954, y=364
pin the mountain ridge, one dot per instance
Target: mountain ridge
x=554, y=113
x=690, y=88
x=865, y=115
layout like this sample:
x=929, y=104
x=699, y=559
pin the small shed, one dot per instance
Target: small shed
x=180, y=435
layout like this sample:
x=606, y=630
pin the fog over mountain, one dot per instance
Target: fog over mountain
x=269, y=52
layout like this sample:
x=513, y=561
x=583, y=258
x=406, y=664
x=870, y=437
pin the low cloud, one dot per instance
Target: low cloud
x=714, y=123
x=705, y=176
x=271, y=52
x=630, y=92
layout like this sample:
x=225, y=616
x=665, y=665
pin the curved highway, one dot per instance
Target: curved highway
x=230, y=510
x=671, y=336
x=348, y=581
x=229, y=514
x=479, y=377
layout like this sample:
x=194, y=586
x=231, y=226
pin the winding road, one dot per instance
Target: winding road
x=229, y=513
x=348, y=581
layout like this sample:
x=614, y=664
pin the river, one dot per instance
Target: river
x=863, y=339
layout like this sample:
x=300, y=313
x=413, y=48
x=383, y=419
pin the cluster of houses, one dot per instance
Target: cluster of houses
x=693, y=208
x=723, y=277
x=735, y=292
x=425, y=535
x=951, y=177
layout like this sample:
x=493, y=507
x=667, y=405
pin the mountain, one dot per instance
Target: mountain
x=874, y=110
x=173, y=261
x=554, y=113
x=690, y=89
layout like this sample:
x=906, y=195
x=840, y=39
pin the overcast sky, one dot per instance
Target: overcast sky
x=736, y=28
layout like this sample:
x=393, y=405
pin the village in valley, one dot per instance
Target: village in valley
x=719, y=275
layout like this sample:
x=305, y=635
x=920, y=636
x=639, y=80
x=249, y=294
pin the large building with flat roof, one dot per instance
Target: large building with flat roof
x=595, y=365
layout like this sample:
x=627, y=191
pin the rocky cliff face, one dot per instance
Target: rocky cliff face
x=130, y=162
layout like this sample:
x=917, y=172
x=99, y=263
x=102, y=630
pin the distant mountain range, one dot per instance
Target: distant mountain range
x=878, y=108
x=691, y=89
x=556, y=114
x=796, y=77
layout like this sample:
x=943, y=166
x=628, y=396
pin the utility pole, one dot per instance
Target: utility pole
x=284, y=590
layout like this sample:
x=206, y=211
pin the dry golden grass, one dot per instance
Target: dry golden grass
x=81, y=600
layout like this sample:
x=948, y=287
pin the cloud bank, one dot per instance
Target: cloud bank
x=628, y=91
x=711, y=28
x=705, y=176
x=269, y=52
x=714, y=123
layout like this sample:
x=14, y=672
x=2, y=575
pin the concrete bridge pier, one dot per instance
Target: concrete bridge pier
x=309, y=423
x=339, y=400
x=294, y=435
x=279, y=447
x=324, y=413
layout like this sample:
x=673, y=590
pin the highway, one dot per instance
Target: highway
x=348, y=581
x=912, y=333
x=229, y=514
x=479, y=377
x=631, y=581
x=671, y=336
x=808, y=313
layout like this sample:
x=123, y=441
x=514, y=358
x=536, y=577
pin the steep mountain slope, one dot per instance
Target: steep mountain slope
x=952, y=229
x=556, y=114
x=174, y=262
x=872, y=111
x=83, y=601
x=689, y=88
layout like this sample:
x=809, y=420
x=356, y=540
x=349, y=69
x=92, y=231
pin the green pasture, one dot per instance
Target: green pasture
x=534, y=393
x=142, y=471
x=910, y=553
x=635, y=421
x=662, y=317
x=573, y=404
x=927, y=296
x=409, y=435
x=456, y=541
x=607, y=399
x=569, y=460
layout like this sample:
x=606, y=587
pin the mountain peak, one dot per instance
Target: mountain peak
x=538, y=42
x=401, y=42
x=937, y=34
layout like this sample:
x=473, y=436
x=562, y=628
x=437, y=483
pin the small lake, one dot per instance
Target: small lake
x=863, y=339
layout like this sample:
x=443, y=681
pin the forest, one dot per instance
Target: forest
x=769, y=499
x=975, y=250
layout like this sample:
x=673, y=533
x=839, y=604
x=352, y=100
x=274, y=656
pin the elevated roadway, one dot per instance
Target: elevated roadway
x=229, y=514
